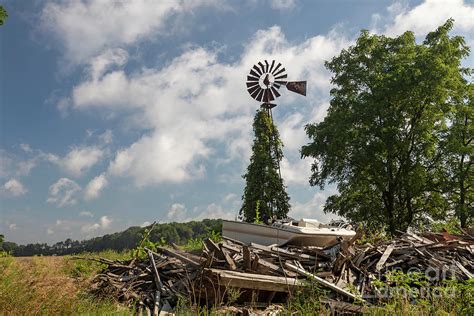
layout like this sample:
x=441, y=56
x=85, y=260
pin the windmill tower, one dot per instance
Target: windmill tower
x=263, y=82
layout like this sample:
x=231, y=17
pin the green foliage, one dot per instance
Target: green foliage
x=146, y=243
x=381, y=139
x=306, y=301
x=450, y=225
x=196, y=244
x=263, y=182
x=455, y=175
x=215, y=236
x=3, y=253
x=193, y=244
x=3, y=15
x=373, y=237
x=257, y=213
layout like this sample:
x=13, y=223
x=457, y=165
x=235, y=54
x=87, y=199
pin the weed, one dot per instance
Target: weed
x=193, y=244
x=307, y=301
x=257, y=213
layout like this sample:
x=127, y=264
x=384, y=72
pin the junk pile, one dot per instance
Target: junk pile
x=232, y=272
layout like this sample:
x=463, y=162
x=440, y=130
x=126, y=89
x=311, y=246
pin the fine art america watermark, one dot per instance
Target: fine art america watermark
x=426, y=283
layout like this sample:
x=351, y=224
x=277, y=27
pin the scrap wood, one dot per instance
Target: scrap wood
x=324, y=282
x=254, y=281
x=171, y=253
x=270, y=272
x=384, y=257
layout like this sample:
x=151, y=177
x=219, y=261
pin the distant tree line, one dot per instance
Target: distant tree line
x=178, y=233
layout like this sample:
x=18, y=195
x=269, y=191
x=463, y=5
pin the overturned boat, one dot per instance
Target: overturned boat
x=305, y=232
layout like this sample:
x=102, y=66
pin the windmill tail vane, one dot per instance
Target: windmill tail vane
x=265, y=79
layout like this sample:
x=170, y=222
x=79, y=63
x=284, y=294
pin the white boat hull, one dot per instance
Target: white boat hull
x=283, y=234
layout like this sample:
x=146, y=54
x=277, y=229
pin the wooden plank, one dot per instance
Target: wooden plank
x=464, y=270
x=255, y=281
x=266, y=266
x=246, y=253
x=255, y=262
x=228, y=258
x=282, y=252
x=159, y=285
x=323, y=282
x=234, y=241
x=174, y=254
x=214, y=248
x=384, y=257
x=419, y=238
x=232, y=248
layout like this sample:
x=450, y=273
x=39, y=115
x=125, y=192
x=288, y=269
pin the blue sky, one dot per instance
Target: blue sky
x=120, y=113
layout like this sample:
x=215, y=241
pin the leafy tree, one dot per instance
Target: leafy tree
x=380, y=141
x=3, y=15
x=457, y=173
x=1, y=241
x=264, y=190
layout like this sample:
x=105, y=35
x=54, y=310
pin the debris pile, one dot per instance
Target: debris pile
x=233, y=272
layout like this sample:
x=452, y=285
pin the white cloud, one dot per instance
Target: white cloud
x=297, y=172
x=191, y=108
x=94, y=187
x=90, y=227
x=177, y=212
x=86, y=214
x=314, y=207
x=292, y=134
x=112, y=57
x=428, y=15
x=283, y=5
x=213, y=210
x=103, y=224
x=12, y=226
x=86, y=28
x=50, y=231
x=106, y=137
x=79, y=159
x=14, y=188
x=13, y=165
x=145, y=224
x=24, y=167
x=26, y=148
x=64, y=225
x=64, y=192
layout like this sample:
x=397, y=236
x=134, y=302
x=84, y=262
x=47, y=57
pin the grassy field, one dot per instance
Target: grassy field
x=51, y=286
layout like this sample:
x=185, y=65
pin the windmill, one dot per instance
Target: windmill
x=265, y=79
x=263, y=82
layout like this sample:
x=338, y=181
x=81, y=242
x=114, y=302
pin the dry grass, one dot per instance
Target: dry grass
x=44, y=286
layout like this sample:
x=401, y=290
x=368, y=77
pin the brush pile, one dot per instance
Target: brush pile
x=231, y=272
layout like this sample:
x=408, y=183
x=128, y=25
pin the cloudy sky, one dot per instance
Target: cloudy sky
x=119, y=113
